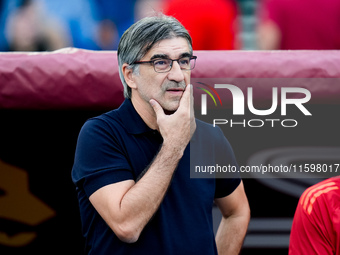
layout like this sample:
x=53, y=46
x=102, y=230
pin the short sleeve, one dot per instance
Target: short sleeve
x=100, y=158
x=314, y=228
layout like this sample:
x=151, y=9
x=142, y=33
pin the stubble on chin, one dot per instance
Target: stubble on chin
x=171, y=106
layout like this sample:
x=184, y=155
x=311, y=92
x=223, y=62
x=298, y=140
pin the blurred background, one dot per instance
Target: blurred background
x=40, y=25
x=41, y=215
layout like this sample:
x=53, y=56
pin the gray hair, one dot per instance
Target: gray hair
x=142, y=36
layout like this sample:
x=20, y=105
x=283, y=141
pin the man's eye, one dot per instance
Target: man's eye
x=184, y=61
x=161, y=62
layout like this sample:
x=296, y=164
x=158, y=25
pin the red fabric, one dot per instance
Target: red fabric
x=306, y=24
x=64, y=79
x=82, y=79
x=211, y=24
x=316, y=225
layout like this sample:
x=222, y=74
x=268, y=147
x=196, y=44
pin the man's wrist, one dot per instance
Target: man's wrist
x=176, y=152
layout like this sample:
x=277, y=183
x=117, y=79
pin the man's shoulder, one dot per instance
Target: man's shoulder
x=204, y=125
x=105, y=119
x=204, y=128
x=326, y=191
x=107, y=123
x=124, y=120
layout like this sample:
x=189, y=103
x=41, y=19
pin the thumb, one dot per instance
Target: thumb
x=156, y=107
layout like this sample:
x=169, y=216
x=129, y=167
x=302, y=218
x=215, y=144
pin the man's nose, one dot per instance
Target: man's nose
x=176, y=73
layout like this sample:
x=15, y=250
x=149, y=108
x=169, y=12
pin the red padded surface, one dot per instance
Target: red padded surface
x=69, y=78
x=74, y=78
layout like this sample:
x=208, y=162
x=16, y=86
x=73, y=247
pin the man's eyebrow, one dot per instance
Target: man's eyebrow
x=156, y=56
x=159, y=56
x=186, y=54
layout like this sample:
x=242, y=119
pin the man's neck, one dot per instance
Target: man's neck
x=146, y=112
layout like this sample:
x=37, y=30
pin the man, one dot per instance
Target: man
x=131, y=165
x=316, y=224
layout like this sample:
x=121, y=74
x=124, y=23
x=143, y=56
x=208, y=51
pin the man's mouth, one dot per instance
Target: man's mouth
x=175, y=90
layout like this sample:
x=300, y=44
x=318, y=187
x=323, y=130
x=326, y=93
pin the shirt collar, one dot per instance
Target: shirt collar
x=132, y=121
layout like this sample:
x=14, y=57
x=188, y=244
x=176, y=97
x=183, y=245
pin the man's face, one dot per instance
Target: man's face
x=166, y=88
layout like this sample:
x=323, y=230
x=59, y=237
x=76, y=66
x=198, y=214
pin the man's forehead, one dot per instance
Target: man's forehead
x=170, y=47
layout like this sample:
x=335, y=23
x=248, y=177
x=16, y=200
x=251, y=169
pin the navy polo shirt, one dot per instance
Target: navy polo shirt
x=118, y=146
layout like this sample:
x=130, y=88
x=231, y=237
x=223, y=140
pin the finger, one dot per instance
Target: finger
x=191, y=95
x=157, y=108
x=191, y=98
x=185, y=100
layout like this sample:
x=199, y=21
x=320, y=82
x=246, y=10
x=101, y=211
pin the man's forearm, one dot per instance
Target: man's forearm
x=142, y=200
x=231, y=233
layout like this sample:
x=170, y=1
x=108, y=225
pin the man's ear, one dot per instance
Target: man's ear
x=129, y=76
